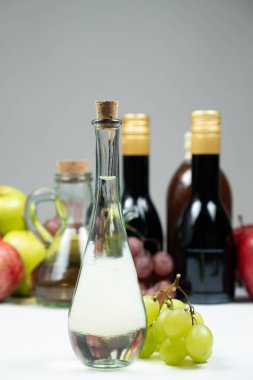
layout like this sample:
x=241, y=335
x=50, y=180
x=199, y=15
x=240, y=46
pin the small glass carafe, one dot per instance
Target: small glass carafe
x=54, y=279
x=107, y=320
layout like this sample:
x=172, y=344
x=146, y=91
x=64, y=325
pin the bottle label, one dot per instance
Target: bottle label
x=205, y=270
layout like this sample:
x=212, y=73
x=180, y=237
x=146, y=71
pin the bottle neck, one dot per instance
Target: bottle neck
x=76, y=197
x=205, y=176
x=107, y=159
x=136, y=175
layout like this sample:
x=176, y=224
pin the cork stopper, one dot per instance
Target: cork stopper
x=107, y=109
x=72, y=167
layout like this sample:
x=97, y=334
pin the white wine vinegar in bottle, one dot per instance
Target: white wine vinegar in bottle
x=107, y=320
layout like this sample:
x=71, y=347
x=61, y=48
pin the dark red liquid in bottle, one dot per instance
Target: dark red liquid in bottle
x=179, y=192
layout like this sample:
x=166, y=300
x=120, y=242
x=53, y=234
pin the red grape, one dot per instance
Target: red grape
x=151, y=291
x=162, y=285
x=143, y=265
x=163, y=263
x=143, y=288
x=136, y=246
x=52, y=225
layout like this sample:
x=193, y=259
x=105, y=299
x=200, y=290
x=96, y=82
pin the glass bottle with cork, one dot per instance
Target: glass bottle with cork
x=107, y=321
x=203, y=248
x=54, y=279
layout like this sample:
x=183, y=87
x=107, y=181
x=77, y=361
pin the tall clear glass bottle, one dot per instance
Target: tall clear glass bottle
x=107, y=320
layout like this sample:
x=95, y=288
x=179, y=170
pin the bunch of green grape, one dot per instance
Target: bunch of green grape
x=175, y=330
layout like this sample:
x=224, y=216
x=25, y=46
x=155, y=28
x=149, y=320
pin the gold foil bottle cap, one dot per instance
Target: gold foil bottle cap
x=72, y=167
x=205, y=128
x=205, y=121
x=135, y=134
x=107, y=109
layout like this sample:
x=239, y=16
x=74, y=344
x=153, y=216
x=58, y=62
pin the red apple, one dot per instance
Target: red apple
x=243, y=236
x=241, y=231
x=11, y=269
x=245, y=261
x=32, y=252
x=239, y=235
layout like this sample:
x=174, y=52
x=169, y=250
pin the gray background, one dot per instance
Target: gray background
x=163, y=57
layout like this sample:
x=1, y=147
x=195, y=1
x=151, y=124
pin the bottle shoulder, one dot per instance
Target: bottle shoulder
x=143, y=204
x=204, y=221
x=180, y=185
x=142, y=219
x=210, y=209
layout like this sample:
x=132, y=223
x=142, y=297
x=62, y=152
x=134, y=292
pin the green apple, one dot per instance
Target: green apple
x=12, y=206
x=31, y=250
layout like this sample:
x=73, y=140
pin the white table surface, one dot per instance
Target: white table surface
x=34, y=345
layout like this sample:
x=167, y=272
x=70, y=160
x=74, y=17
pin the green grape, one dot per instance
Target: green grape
x=165, y=306
x=173, y=351
x=159, y=332
x=199, y=342
x=177, y=304
x=198, y=317
x=149, y=345
x=152, y=307
x=177, y=323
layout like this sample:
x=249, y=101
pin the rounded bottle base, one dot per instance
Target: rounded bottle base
x=107, y=352
x=53, y=303
x=212, y=298
x=108, y=364
x=53, y=296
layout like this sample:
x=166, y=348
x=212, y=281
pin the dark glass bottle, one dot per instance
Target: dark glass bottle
x=203, y=247
x=140, y=215
x=179, y=191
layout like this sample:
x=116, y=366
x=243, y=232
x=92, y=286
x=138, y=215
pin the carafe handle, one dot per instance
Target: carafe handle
x=41, y=195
